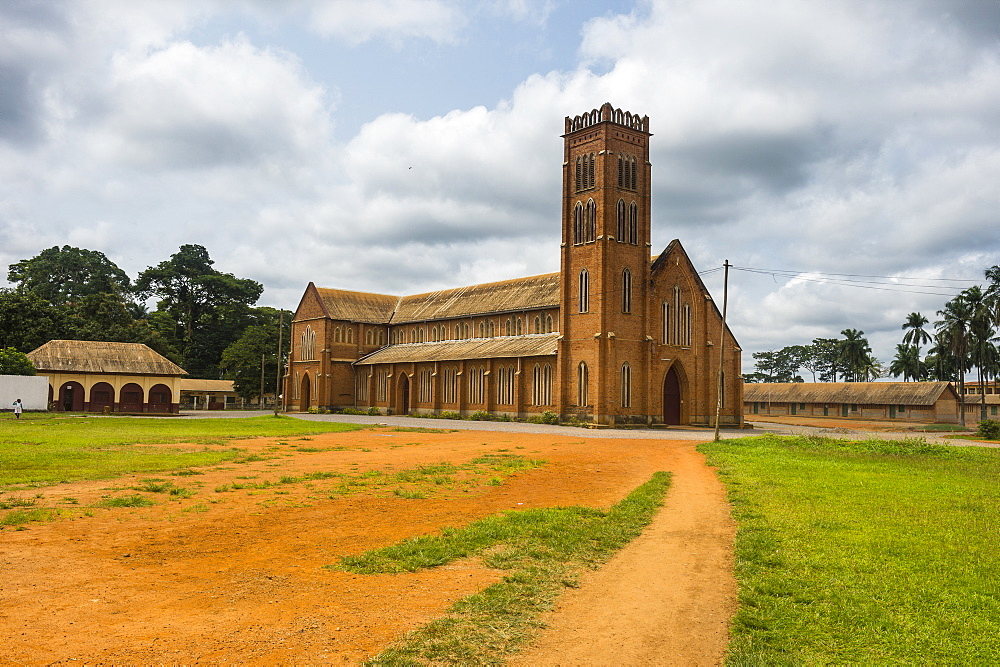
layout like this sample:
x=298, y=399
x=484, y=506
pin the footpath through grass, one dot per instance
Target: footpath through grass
x=542, y=549
x=48, y=450
x=872, y=552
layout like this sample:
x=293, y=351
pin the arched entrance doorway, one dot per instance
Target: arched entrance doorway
x=672, y=398
x=404, y=394
x=304, y=398
x=131, y=398
x=102, y=395
x=70, y=397
x=160, y=398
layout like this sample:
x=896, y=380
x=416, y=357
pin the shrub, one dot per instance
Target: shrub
x=481, y=416
x=989, y=429
x=374, y=412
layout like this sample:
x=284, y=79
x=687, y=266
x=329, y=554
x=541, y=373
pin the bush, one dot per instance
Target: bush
x=13, y=362
x=374, y=412
x=547, y=417
x=481, y=416
x=989, y=429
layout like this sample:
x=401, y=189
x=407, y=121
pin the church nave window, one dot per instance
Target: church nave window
x=626, y=385
x=584, y=291
x=626, y=291
x=582, y=381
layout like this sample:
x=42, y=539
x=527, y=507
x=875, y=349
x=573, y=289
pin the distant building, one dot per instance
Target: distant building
x=615, y=337
x=199, y=394
x=911, y=401
x=97, y=376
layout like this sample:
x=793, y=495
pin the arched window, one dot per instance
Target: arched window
x=518, y=327
x=482, y=329
x=633, y=224
x=578, y=235
x=361, y=385
x=538, y=325
x=450, y=389
x=626, y=291
x=687, y=325
x=548, y=324
x=506, y=327
x=582, y=382
x=465, y=331
x=675, y=331
x=626, y=385
x=665, y=314
x=621, y=170
x=381, y=336
x=492, y=329
x=620, y=212
x=585, y=172
x=579, y=173
x=632, y=175
x=590, y=224
x=421, y=335
x=307, y=344
x=338, y=335
x=369, y=336
x=350, y=334
x=584, y=291
x=541, y=391
x=477, y=385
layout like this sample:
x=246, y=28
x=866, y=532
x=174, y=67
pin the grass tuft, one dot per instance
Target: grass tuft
x=543, y=550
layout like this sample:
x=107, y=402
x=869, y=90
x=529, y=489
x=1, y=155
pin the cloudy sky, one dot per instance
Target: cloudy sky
x=402, y=146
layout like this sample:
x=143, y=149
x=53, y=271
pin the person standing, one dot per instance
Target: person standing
x=18, y=408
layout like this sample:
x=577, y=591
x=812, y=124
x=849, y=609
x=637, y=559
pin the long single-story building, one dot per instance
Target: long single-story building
x=910, y=401
x=99, y=376
x=199, y=394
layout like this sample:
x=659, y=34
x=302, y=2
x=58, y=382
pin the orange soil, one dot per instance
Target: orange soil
x=236, y=576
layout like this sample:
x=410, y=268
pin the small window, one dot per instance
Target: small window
x=902, y=408
x=854, y=407
x=802, y=406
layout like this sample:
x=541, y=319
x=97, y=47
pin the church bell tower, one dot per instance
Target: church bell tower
x=605, y=264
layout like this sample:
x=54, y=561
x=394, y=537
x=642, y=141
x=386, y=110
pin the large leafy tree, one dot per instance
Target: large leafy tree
x=254, y=355
x=915, y=334
x=778, y=365
x=907, y=363
x=825, y=353
x=953, y=335
x=13, y=362
x=201, y=309
x=855, y=355
x=67, y=274
x=28, y=321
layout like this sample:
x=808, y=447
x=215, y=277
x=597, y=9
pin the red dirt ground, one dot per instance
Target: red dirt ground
x=236, y=576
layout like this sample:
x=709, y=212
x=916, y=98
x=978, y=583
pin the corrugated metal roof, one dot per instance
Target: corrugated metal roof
x=358, y=306
x=88, y=356
x=531, y=345
x=865, y=393
x=189, y=384
x=508, y=295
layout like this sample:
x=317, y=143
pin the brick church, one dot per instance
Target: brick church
x=615, y=337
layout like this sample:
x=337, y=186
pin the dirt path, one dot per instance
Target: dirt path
x=666, y=599
x=232, y=570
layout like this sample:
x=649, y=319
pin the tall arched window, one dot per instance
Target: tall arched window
x=381, y=336
x=578, y=235
x=350, y=335
x=548, y=324
x=492, y=328
x=620, y=214
x=482, y=329
x=590, y=224
x=665, y=314
x=538, y=324
x=541, y=389
x=675, y=331
x=307, y=344
x=518, y=326
x=421, y=335
x=369, y=337
x=626, y=385
x=626, y=291
x=506, y=327
x=687, y=325
x=633, y=224
x=582, y=384
x=584, y=291
x=338, y=335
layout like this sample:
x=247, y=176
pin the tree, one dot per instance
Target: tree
x=241, y=360
x=203, y=310
x=825, y=358
x=779, y=365
x=953, y=334
x=13, y=362
x=67, y=274
x=907, y=363
x=916, y=336
x=855, y=355
x=28, y=321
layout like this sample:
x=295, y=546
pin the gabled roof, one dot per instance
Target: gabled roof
x=531, y=293
x=88, y=356
x=528, y=293
x=531, y=345
x=865, y=393
x=207, y=386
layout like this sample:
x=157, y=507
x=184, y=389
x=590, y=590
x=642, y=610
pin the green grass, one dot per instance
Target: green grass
x=48, y=450
x=543, y=551
x=872, y=552
x=942, y=428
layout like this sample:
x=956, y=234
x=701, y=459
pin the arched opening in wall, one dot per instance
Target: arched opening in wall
x=403, y=395
x=672, y=399
x=160, y=398
x=131, y=398
x=305, y=391
x=70, y=397
x=50, y=395
x=102, y=395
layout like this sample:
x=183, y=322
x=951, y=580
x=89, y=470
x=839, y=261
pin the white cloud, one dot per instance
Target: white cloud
x=358, y=21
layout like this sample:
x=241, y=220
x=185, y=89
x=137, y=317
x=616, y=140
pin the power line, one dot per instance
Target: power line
x=873, y=282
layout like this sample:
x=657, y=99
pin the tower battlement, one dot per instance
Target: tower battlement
x=607, y=114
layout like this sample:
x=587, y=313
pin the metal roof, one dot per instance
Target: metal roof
x=531, y=345
x=89, y=356
x=865, y=393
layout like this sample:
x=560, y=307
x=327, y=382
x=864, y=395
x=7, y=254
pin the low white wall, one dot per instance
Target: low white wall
x=33, y=390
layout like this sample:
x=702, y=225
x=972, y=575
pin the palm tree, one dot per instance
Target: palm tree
x=854, y=353
x=981, y=333
x=953, y=330
x=907, y=363
x=916, y=336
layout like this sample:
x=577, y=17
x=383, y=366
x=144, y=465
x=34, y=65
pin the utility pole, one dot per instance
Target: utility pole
x=261, y=380
x=277, y=379
x=722, y=349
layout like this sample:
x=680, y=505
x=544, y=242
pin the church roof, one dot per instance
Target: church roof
x=89, y=356
x=865, y=393
x=531, y=345
x=529, y=293
x=499, y=297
